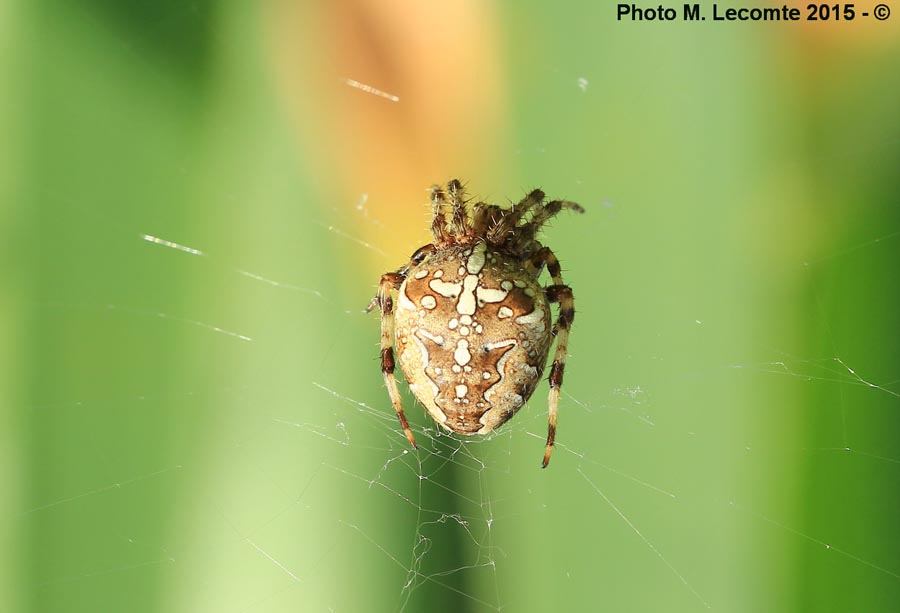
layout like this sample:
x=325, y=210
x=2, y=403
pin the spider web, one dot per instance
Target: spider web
x=207, y=430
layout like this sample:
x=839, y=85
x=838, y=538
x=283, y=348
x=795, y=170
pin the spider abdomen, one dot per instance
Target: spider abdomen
x=472, y=332
x=471, y=325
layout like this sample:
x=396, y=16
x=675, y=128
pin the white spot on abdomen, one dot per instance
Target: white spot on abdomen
x=535, y=316
x=498, y=344
x=438, y=340
x=487, y=294
x=466, y=303
x=445, y=289
x=429, y=302
x=462, y=355
x=476, y=261
x=461, y=391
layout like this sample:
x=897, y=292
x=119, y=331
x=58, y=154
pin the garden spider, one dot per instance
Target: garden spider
x=471, y=325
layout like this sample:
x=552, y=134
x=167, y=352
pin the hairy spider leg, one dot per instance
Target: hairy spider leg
x=391, y=281
x=485, y=216
x=460, y=224
x=510, y=220
x=551, y=209
x=527, y=232
x=439, y=216
x=561, y=293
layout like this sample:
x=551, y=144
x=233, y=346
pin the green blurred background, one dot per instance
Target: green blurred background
x=209, y=431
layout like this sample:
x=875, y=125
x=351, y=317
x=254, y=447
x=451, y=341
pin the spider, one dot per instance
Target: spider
x=471, y=325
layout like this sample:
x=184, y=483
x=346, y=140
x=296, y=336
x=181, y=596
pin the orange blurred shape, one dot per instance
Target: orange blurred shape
x=390, y=96
x=832, y=29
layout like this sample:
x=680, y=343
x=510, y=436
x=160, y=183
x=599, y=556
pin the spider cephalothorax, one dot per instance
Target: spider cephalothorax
x=472, y=325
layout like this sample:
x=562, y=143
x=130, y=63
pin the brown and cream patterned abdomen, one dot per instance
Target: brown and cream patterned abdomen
x=473, y=328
